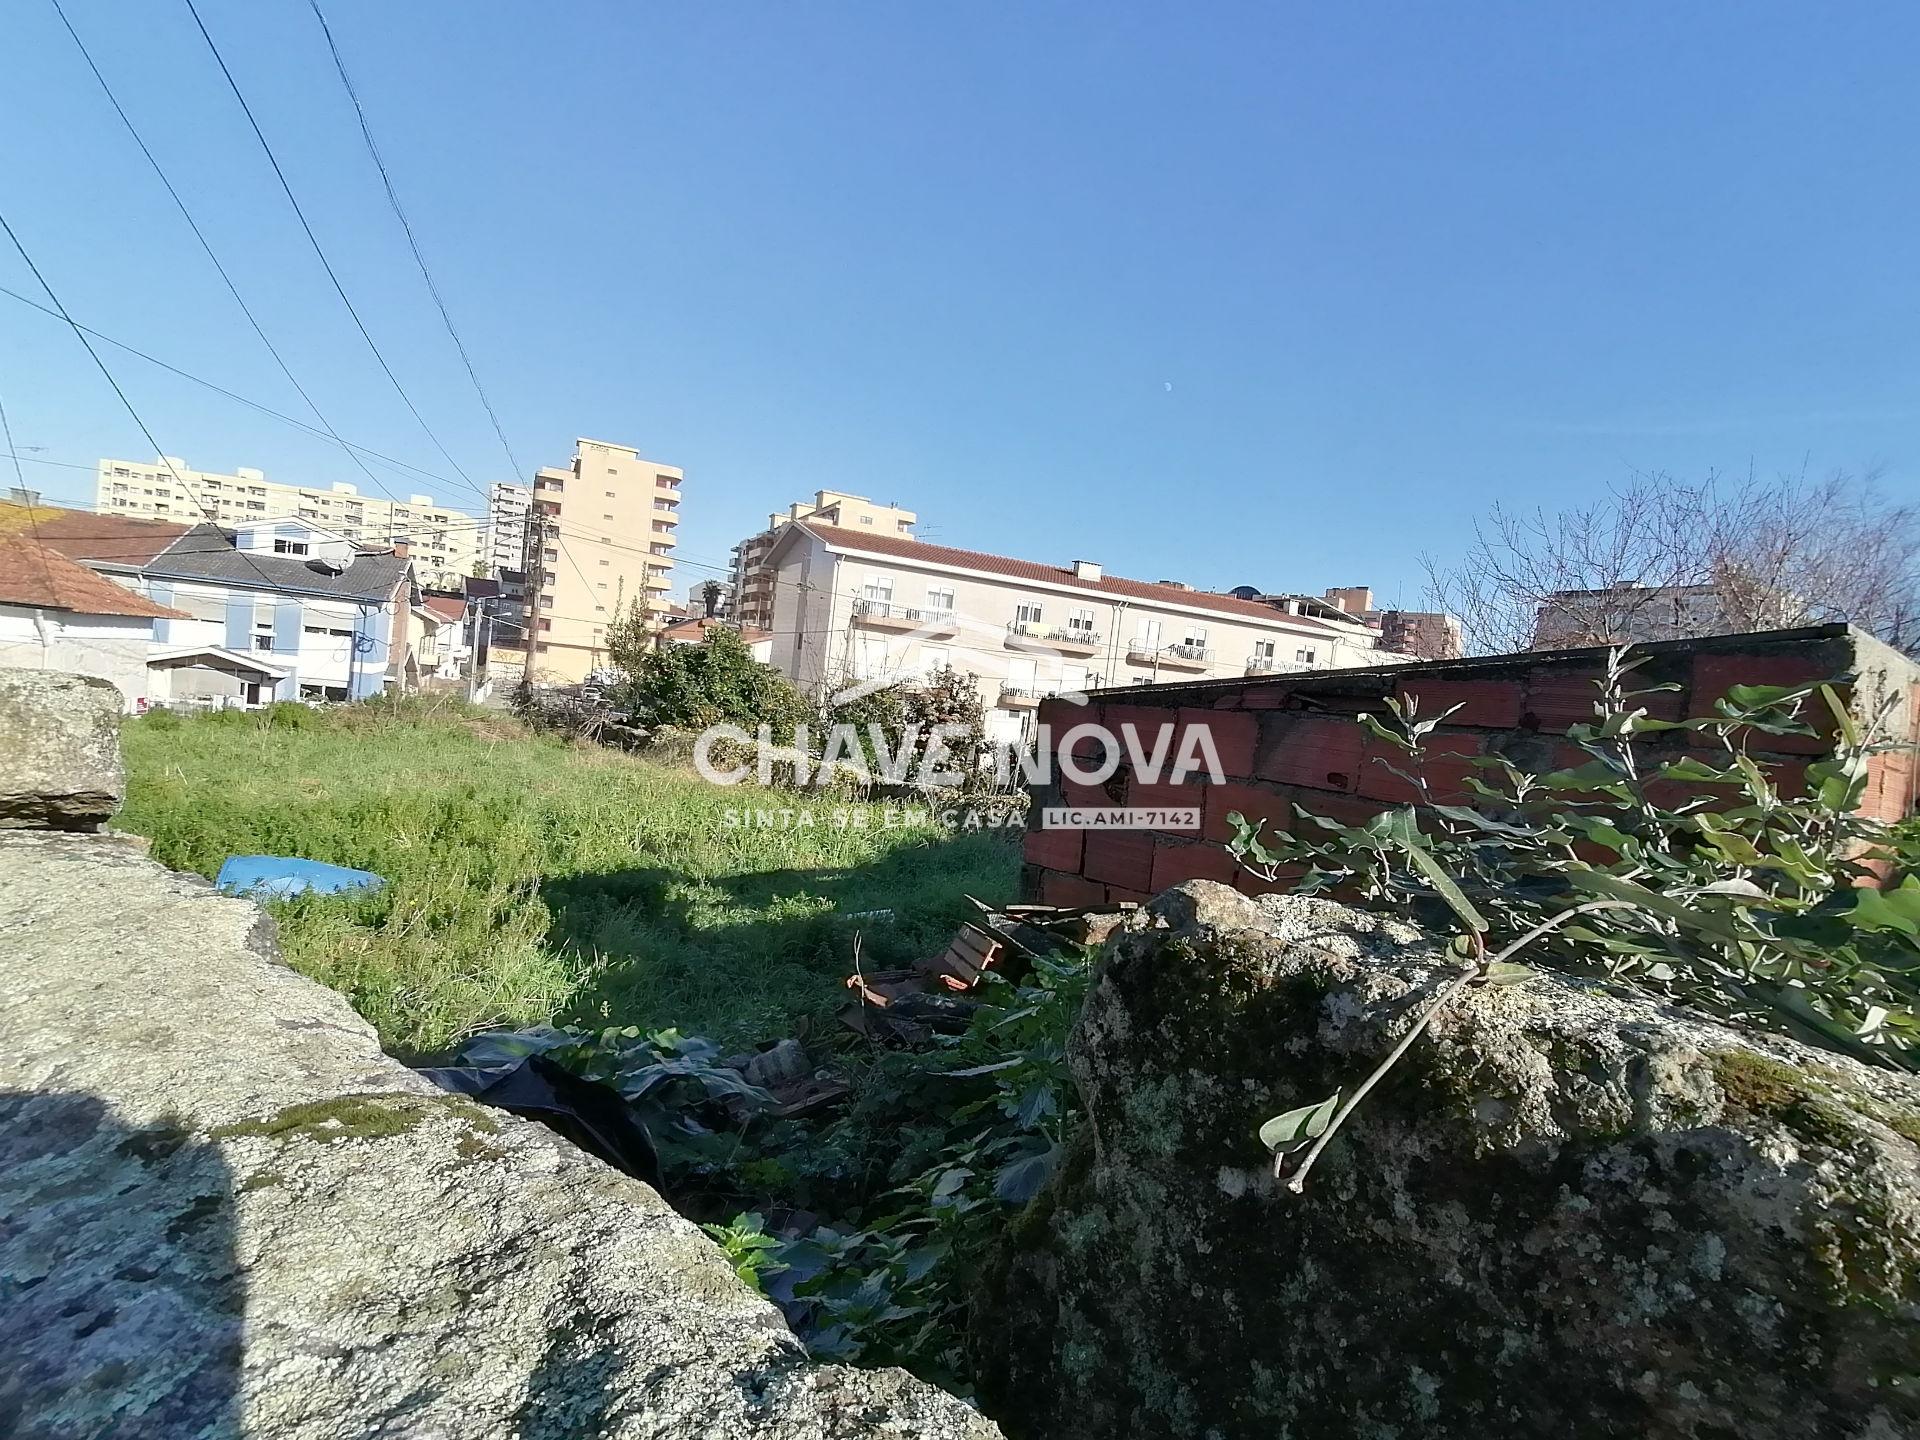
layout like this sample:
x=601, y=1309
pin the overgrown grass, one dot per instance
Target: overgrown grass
x=531, y=881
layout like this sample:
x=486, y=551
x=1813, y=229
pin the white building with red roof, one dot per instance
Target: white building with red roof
x=56, y=614
x=851, y=605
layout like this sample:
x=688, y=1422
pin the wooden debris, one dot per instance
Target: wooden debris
x=904, y=1007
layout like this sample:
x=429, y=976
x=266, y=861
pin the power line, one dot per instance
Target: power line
x=219, y=389
x=393, y=199
x=33, y=520
x=325, y=264
x=81, y=336
x=205, y=245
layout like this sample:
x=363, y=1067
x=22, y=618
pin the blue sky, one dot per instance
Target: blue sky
x=1269, y=294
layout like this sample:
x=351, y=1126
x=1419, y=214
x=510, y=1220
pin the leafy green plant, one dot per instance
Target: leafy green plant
x=675, y=1083
x=1671, y=858
x=694, y=686
x=1727, y=890
x=969, y=1134
x=749, y=1249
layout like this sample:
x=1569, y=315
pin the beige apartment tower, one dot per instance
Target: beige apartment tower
x=753, y=581
x=600, y=538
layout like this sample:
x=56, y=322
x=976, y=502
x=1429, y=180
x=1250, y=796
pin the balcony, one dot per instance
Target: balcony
x=1271, y=665
x=1024, y=635
x=1169, y=657
x=900, y=619
x=1020, y=697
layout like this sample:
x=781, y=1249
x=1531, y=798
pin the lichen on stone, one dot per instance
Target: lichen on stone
x=1569, y=1210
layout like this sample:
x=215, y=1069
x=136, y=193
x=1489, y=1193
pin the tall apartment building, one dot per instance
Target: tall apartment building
x=507, y=507
x=857, y=605
x=753, y=582
x=599, y=536
x=445, y=543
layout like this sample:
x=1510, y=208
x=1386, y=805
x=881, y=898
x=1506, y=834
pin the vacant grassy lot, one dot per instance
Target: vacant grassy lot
x=530, y=881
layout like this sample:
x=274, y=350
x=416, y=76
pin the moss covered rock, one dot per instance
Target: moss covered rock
x=1570, y=1211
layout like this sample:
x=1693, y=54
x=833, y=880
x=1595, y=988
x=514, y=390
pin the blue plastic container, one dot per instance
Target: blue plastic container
x=279, y=876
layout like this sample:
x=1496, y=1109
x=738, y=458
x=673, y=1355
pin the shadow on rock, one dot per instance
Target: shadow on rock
x=120, y=1306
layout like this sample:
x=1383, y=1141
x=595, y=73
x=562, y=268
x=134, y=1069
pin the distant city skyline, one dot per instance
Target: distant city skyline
x=1257, y=295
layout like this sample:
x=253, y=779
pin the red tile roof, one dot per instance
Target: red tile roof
x=907, y=548
x=82, y=535
x=40, y=576
x=446, y=607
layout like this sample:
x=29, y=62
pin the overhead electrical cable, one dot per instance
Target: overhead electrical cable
x=81, y=336
x=219, y=389
x=207, y=246
x=413, y=243
x=320, y=251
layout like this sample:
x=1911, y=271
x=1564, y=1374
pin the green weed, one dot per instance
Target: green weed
x=530, y=881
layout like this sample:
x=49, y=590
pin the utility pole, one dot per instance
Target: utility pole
x=531, y=567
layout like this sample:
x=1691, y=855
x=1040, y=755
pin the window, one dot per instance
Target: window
x=879, y=588
x=1263, y=650
x=904, y=525
x=1026, y=613
x=263, y=642
x=609, y=494
x=1196, y=637
x=546, y=600
x=1149, y=640
x=546, y=624
x=940, y=597
x=661, y=527
x=866, y=519
x=1020, y=673
x=256, y=504
x=613, y=469
x=869, y=656
x=329, y=630
x=1304, y=655
x=606, y=562
x=607, y=516
x=1081, y=620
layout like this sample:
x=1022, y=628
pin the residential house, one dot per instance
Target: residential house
x=854, y=605
x=56, y=614
x=120, y=548
x=1635, y=614
x=751, y=600
x=450, y=613
x=694, y=631
x=333, y=621
x=1410, y=634
x=445, y=542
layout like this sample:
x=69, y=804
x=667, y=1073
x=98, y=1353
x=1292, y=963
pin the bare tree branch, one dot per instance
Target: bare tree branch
x=1662, y=558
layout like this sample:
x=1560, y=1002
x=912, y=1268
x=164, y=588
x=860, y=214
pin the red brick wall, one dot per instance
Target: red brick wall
x=1295, y=739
